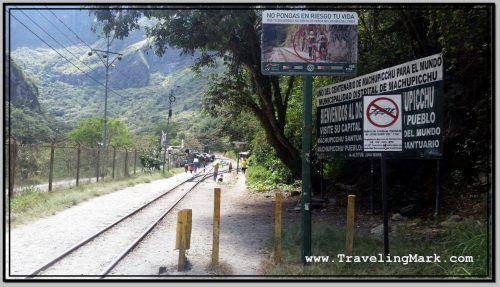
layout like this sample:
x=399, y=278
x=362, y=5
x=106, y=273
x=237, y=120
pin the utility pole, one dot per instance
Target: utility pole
x=104, y=57
x=171, y=99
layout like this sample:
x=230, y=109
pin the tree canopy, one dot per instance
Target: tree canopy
x=388, y=35
x=89, y=133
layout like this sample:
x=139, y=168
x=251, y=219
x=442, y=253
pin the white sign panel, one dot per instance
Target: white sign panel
x=382, y=128
x=296, y=42
x=309, y=17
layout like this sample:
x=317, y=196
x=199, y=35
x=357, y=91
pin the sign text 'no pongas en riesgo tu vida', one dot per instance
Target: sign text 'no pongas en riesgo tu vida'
x=309, y=42
x=397, y=111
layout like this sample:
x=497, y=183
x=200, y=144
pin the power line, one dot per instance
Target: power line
x=55, y=50
x=85, y=43
x=55, y=26
x=76, y=35
x=76, y=57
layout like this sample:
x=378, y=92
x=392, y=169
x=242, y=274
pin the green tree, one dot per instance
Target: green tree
x=234, y=36
x=89, y=132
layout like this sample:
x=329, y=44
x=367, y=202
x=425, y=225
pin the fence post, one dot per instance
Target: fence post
x=114, y=160
x=51, y=165
x=97, y=165
x=135, y=159
x=216, y=228
x=351, y=200
x=126, y=162
x=277, y=229
x=78, y=151
x=12, y=166
x=183, y=235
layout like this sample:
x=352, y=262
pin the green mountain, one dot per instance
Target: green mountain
x=25, y=118
x=139, y=84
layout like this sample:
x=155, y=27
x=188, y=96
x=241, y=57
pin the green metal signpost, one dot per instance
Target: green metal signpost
x=306, y=167
x=314, y=49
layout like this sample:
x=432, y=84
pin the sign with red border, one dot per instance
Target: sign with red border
x=382, y=128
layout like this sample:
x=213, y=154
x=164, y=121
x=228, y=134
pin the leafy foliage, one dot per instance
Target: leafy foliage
x=89, y=132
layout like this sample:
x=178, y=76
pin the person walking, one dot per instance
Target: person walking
x=196, y=163
x=244, y=165
x=311, y=41
x=216, y=169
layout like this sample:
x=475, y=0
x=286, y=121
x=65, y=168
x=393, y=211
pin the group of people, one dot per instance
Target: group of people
x=220, y=165
x=194, y=165
x=317, y=44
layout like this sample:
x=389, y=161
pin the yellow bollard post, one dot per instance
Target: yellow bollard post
x=215, y=242
x=351, y=201
x=183, y=235
x=277, y=229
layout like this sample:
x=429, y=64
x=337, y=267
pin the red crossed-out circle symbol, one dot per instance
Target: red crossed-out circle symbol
x=301, y=35
x=382, y=112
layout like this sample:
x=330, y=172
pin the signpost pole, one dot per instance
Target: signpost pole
x=372, y=186
x=438, y=187
x=383, y=163
x=321, y=174
x=306, y=168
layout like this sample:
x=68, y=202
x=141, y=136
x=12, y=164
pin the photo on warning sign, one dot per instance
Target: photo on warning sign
x=309, y=43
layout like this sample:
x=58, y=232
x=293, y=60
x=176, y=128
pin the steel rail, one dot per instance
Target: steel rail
x=87, y=240
x=148, y=230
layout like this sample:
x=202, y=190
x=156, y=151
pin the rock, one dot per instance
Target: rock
x=454, y=218
x=331, y=200
x=397, y=217
x=483, y=178
x=377, y=230
x=407, y=209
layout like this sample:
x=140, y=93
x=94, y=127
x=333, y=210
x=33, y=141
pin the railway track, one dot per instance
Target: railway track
x=113, y=243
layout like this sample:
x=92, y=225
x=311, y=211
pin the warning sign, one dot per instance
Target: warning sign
x=382, y=123
x=397, y=111
x=309, y=42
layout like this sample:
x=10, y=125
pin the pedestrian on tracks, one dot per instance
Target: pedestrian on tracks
x=311, y=41
x=216, y=169
x=244, y=165
x=196, y=163
x=191, y=167
x=230, y=166
x=186, y=166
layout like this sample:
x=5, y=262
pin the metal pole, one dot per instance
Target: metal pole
x=306, y=168
x=321, y=174
x=135, y=159
x=105, y=132
x=12, y=166
x=372, y=189
x=51, y=166
x=384, y=204
x=114, y=161
x=97, y=166
x=438, y=188
x=78, y=165
x=238, y=163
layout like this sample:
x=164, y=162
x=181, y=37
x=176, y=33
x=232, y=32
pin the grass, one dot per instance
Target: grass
x=32, y=204
x=466, y=238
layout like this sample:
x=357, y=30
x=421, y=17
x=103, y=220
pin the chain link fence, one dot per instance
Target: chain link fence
x=45, y=167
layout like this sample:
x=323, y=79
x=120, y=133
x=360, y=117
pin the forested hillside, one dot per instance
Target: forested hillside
x=139, y=84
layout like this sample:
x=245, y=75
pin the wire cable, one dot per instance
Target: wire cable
x=55, y=50
x=76, y=57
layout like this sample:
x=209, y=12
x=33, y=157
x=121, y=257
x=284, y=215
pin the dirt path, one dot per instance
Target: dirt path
x=246, y=227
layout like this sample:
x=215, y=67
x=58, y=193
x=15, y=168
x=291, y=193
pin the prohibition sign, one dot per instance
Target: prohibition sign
x=384, y=107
